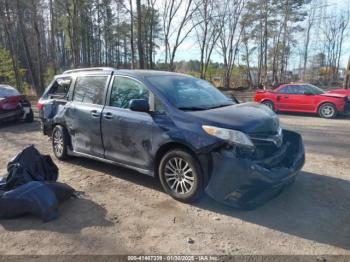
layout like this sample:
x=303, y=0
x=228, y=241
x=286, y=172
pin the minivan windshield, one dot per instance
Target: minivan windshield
x=189, y=93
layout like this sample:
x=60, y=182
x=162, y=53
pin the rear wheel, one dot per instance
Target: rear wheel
x=327, y=110
x=181, y=176
x=269, y=104
x=60, y=140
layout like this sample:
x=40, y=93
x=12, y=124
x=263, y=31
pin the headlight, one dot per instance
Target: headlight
x=234, y=136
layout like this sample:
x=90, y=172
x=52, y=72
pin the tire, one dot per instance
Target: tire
x=269, y=104
x=181, y=176
x=60, y=139
x=327, y=110
x=30, y=117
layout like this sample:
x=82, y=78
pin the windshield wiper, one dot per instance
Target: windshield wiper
x=193, y=108
x=218, y=106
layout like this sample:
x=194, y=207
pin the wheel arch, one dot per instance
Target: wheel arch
x=166, y=147
x=267, y=100
x=325, y=102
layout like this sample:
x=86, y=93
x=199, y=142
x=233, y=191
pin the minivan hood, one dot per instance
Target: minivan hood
x=251, y=118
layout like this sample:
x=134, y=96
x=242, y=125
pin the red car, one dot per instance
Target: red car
x=305, y=98
x=14, y=105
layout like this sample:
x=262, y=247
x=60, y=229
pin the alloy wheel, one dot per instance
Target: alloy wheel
x=58, y=143
x=179, y=175
x=327, y=111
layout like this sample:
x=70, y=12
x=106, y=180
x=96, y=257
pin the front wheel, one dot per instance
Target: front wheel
x=60, y=142
x=327, y=110
x=181, y=176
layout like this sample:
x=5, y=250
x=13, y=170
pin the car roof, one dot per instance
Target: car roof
x=296, y=84
x=127, y=72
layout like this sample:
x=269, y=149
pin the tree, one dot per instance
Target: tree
x=210, y=23
x=176, y=33
x=139, y=35
x=231, y=36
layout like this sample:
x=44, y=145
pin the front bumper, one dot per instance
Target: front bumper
x=245, y=183
x=347, y=108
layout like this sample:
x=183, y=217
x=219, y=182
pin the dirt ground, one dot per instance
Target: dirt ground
x=124, y=212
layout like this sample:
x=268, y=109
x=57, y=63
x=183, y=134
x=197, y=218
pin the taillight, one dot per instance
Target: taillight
x=40, y=106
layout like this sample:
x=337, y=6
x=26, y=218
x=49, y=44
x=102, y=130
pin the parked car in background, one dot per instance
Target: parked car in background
x=14, y=105
x=305, y=98
x=173, y=126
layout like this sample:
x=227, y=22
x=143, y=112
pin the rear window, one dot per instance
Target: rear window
x=60, y=88
x=8, y=91
x=90, y=89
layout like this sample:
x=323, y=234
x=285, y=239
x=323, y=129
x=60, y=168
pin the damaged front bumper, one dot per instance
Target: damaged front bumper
x=245, y=183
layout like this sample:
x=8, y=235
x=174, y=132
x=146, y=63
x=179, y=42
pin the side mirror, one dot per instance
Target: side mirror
x=139, y=105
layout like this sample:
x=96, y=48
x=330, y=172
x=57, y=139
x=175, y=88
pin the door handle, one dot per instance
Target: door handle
x=108, y=116
x=94, y=113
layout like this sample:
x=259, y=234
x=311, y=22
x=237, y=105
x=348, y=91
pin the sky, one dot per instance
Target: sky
x=190, y=50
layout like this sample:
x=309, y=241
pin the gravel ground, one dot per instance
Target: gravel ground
x=124, y=212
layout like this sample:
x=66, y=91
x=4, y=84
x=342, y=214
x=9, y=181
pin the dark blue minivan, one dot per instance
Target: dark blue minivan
x=175, y=127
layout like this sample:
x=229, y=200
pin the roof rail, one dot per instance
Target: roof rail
x=88, y=70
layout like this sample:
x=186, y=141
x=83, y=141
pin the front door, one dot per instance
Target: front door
x=127, y=135
x=293, y=98
x=84, y=114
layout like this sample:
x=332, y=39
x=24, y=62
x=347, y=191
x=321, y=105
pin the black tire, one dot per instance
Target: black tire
x=60, y=140
x=269, y=104
x=187, y=175
x=30, y=117
x=327, y=110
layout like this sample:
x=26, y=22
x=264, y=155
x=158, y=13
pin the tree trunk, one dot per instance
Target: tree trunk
x=132, y=45
x=347, y=76
x=139, y=35
x=39, y=49
x=28, y=56
x=52, y=36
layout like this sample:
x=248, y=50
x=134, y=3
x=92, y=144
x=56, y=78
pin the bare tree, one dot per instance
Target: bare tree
x=176, y=21
x=333, y=30
x=210, y=23
x=139, y=35
x=231, y=36
x=309, y=24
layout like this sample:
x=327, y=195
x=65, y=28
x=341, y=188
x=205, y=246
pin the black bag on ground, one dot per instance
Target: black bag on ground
x=31, y=188
x=29, y=165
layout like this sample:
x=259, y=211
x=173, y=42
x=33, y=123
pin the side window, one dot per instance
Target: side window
x=307, y=89
x=125, y=89
x=289, y=90
x=60, y=88
x=90, y=89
